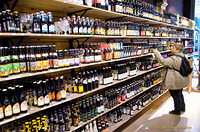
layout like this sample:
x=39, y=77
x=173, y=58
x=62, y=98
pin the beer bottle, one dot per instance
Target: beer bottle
x=63, y=89
x=84, y=22
x=40, y=94
x=22, y=59
x=45, y=61
x=22, y=99
x=74, y=25
x=88, y=26
x=7, y=107
x=89, y=81
x=61, y=122
x=57, y=89
x=39, y=66
x=71, y=60
x=46, y=93
x=32, y=60
x=66, y=58
x=80, y=26
x=60, y=58
x=15, y=102
x=50, y=23
x=98, y=3
x=91, y=107
x=55, y=122
x=85, y=82
x=4, y=22
x=88, y=109
x=101, y=103
x=3, y=63
x=43, y=22
x=18, y=25
x=1, y=107
x=34, y=88
x=76, y=57
x=54, y=57
x=80, y=85
x=36, y=23
x=15, y=60
x=9, y=62
x=10, y=21
x=93, y=79
x=52, y=87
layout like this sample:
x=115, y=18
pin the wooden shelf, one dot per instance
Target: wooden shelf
x=72, y=96
x=126, y=118
x=66, y=36
x=81, y=124
x=23, y=75
x=64, y=6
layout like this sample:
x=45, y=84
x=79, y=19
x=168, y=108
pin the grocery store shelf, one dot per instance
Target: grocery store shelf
x=65, y=6
x=126, y=118
x=187, y=38
x=23, y=75
x=72, y=96
x=67, y=36
x=81, y=124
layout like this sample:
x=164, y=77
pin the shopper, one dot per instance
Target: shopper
x=172, y=79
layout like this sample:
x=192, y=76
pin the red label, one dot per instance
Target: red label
x=123, y=97
x=53, y=95
x=58, y=95
x=119, y=100
x=142, y=33
x=98, y=1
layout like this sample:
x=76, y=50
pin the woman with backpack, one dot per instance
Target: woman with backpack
x=175, y=77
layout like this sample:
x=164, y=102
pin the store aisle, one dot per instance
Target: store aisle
x=158, y=119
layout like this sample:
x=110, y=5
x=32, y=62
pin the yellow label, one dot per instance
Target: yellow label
x=80, y=89
x=75, y=89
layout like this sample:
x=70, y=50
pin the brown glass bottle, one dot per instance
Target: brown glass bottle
x=22, y=99
x=22, y=59
x=15, y=60
x=3, y=63
x=7, y=107
x=32, y=60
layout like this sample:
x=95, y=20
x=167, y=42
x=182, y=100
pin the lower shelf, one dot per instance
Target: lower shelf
x=126, y=118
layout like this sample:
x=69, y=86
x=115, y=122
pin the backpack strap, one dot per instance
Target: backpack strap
x=174, y=60
x=180, y=56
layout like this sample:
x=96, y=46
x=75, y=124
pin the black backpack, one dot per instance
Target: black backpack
x=185, y=68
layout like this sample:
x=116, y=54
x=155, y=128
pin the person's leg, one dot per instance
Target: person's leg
x=182, y=102
x=176, y=97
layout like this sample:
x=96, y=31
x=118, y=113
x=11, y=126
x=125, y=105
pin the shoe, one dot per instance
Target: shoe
x=174, y=112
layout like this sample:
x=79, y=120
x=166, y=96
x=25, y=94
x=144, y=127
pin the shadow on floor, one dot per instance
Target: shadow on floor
x=165, y=123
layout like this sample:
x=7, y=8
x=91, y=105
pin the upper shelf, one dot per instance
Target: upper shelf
x=8, y=35
x=68, y=7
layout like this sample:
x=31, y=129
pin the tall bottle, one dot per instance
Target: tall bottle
x=62, y=86
x=45, y=93
x=36, y=23
x=45, y=55
x=54, y=57
x=40, y=94
x=80, y=26
x=3, y=63
x=43, y=22
x=57, y=89
x=15, y=102
x=74, y=25
x=39, y=66
x=18, y=25
x=7, y=107
x=22, y=59
x=23, y=101
x=10, y=21
x=51, y=29
x=15, y=60
x=32, y=60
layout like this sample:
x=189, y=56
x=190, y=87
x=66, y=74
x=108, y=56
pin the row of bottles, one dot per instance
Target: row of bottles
x=76, y=25
x=39, y=22
x=16, y=99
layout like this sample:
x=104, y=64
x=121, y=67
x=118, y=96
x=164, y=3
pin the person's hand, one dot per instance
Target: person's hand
x=154, y=51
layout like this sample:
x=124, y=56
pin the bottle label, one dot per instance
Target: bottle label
x=1, y=113
x=35, y=100
x=36, y=28
x=8, y=111
x=51, y=28
x=33, y=66
x=24, y=106
x=46, y=99
x=56, y=128
x=98, y=58
x=99, y=109
x=53, y=95
x=60, y=63
x=89, y=30
x=55, y=63
x=50, y=96
x=44, y=28
x=75, y=30
x=45, y=64
x=72, y=61
x=22, y=66
x=85, y=30
x=58, y=96
x=132, y=112
x=63, y=94
x=62, y=128
x=66, y=62
x=4, y=70
x=15, y=68
x=102, y=108
x=119, y=100
x=10, y=68
x=39, y=66
x=81, y=58
x=16, y=108
x=80, y=30
x=87, y=59
x=80, y=89
x=41, y=101
x=75, y=89
x=77, y=61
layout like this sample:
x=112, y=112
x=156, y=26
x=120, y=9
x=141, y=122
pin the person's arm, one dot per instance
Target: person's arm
x=168, y=62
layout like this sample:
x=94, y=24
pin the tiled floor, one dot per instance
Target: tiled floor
x=158, y=119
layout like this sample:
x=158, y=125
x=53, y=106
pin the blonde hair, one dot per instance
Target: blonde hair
x=179, y=47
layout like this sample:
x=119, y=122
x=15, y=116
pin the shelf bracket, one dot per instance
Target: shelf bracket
x=85, y=41
x=84, y=11
x=14, y=4
x=5, y=2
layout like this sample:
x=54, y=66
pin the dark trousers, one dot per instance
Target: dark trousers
x=179, y=103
